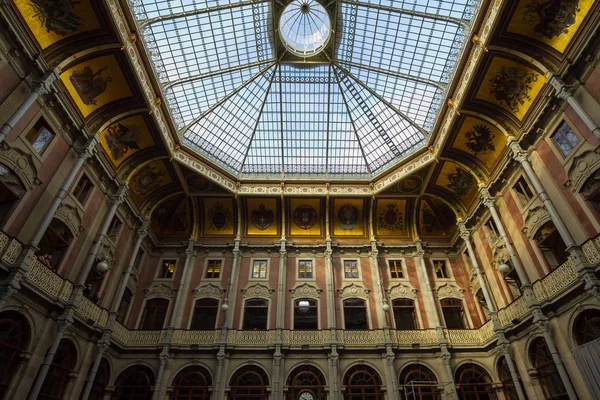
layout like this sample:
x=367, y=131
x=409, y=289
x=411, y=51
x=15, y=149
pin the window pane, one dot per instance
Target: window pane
x=255, y=314
x=305, y=269
x=259, y=269
x=205, y=314
x=167, y=269
x=305, y=314
x=351, y=269
x=213, y=269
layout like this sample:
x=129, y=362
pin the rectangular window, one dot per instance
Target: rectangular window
x=441, y=269
x=396, y=271
x=205, y=315
x=492, y=230
x=40, y=136
x=83, y=189
x=213, y=269
x=565, y=139
x=167, y=268
x=305, y=269
x=114, y=228
x=523, y=191
x=453, y=313
x=138, y=259
x=351, y=269
x=259, y=269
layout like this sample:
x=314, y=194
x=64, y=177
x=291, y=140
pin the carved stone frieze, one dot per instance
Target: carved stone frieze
x=306, y=291
x=534, y=220
x=402, y=291
x=257, y=290
x=209, y=290
x=582, y=168
x=354, y=291
x=21, y=164
x=71, y=216
x=160, y=290
x=449, y=290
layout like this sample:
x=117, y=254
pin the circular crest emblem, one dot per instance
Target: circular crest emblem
x=305, y=217
x=219, y=217
x=410, y=184
x=390, y=218
x=348, y=217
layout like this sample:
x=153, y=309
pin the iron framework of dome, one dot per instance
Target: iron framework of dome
x=246, y=103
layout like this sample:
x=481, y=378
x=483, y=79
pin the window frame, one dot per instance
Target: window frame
x=358, y=269
x=463, y=309
x=207, y=260
x=41, y=115
x=243, y=319
x=450, y=276
x=415, y=316
x=251, y=272
x=316, y=306
x=114, y=237
x=82, y=176
x=192, y=314
x=367, y=315
x=388, y=262
x=519, y=200
x=554, y=144
x=313, y=262
x=158, y=277
x=143, y=311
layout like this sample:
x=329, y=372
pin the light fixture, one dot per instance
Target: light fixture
x=102, y=266
x=303, y=306
x=224, y=307
x=385, y=307
x=504, y=268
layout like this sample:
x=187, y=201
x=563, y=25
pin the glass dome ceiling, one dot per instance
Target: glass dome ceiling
x=245, y=101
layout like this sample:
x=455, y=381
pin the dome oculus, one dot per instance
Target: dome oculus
x=304, y=27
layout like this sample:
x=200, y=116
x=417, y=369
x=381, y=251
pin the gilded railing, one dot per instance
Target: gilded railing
x=90, y=311
x=361, y=338
x=486, y=332
x=591, y=250
x=251, y=338
x=556, y=281
x=463, y=336
x=306, y=338
x=48, y=282
x=420, y=336
x=200, y=338
x=515, y=310
x=120, y=333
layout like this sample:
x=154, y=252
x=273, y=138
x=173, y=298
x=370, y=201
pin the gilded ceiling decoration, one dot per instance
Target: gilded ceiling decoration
x=173, y=217
x=348, y=217
x=263, y=217
x=481, y=140
x=124, y=138
x=390, y=217
x=305, y=217
x=219, y=216
x=148, y=179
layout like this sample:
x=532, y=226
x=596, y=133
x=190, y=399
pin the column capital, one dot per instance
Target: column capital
x=119, y=197
x=189, y=251
x=142, y=231
x=44, y=84
x=87, y=150
x=420, y=252
x=518, y=153
x=562, y=90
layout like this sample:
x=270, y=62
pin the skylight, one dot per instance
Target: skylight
x=302, y=89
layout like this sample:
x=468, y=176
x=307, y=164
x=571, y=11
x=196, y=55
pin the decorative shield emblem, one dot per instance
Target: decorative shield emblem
x=219, y=217
x=262, y=218
x=120, y=139
x=390, y=218
x=147, y=180
x=89, y=84
x=305, y=217
x=56, y=16
x=348, y=217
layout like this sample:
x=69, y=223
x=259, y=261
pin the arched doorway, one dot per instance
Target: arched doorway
x=14, y=340
x=100, y=381
x=507, y=385
x=11, y=191
x=587, y=327
x=474, y=383
x=192, y=383
x=362, y=383
x=419, y=383
x=54, y=244
x=249, y=383
x=306, y=383
x=60, y=373
x=546, y=371
x=135, y=383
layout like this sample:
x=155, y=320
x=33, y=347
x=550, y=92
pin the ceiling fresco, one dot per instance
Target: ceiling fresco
x=502, y=88
x=95, y=83
x=510, y=85
x=481, y=140
x=552, y=22
x=50, y=21
x=348, y=217
x=124, y=138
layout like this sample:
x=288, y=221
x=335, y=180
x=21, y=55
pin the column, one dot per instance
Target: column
x=232, y=294
x=11, y=285
x=42, y=87
x=532, y=303
x=164, y=358
x=103, y=345
x=190, y=256
x=585, y=270
x=278, y=355
x=64, y=322
x=333, y=357
x=140, y=234
x=566, y=93
x=502, y=342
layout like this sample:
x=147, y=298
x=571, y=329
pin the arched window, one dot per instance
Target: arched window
x=249, y=382
x=59, y=374
x=405, y=315
x=419, y=383
x=587, y=326
x=552, y=245
x=453, y=312
x=547, y=373
x=124, y=305
x=474, y=383
x=355, y=314
x=192, y=383
x=11, y=191
x=305, y=314
x=14, y=339
x=508, y=386
x=54, y=244
x=100, y=382
x=154, y=315
x=362, y=383
x=256, y=312
x=135, y=382
x=205, y=314
x=306, y=379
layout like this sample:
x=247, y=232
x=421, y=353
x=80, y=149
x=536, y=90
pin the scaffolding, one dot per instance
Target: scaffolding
x=411, y=391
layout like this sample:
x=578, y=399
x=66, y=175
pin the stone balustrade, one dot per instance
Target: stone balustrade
x=59, y=289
